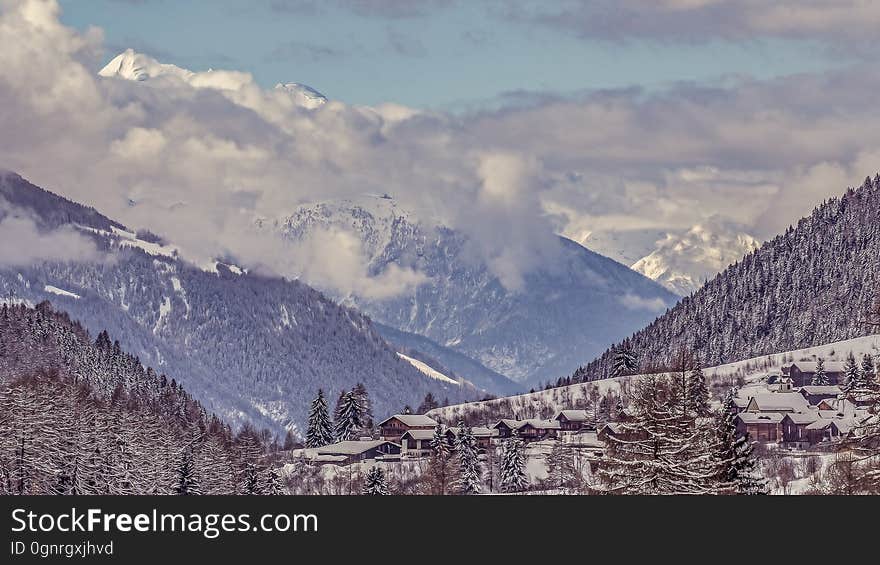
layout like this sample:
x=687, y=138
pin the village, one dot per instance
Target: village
x=778, y=410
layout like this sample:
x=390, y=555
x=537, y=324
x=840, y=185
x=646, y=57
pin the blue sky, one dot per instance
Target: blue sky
x=449, y=57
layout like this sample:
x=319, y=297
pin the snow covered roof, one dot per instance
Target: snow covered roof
x=584, y=439
x=418, y=434
x=413, y=420
x=573, y=415
x=478, y=431
x=351, y=447
x=802, y=417
x=329, y=459
x=761, y=417
x=534, y=422
x=778, y=402
x=810, y=366
x=821, y=390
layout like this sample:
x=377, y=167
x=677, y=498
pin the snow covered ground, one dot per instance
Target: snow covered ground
x=428, y=370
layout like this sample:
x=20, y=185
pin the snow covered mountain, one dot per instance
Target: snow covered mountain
x=683, y=262
x=130, y=65
x=813, y=284
x=250, y=348
x=573, y=307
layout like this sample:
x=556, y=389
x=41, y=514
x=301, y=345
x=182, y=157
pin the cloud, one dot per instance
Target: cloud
x=22, y=243
x=849, y=21
x=635, y=302
x=199, y=156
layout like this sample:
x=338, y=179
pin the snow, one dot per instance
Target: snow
x=683, y=262
x=164, y=310
x=303, y=95
x=61, y=292
x=428, y=370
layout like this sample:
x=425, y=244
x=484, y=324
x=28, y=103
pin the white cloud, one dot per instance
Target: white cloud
x=22, y=243
x=201, y=155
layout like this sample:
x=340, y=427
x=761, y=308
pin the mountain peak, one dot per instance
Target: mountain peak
x=132, y=65
x=303, y=95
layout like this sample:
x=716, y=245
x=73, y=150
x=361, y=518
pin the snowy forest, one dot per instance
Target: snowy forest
x=811, y=285
x=81, y=416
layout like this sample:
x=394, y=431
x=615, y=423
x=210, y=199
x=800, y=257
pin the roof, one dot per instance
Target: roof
x=831, y=390
x=329, y=458
x=351, y=447
x=573, y=415
x=584, y=439
x=778, y=402
x=412, y=420
x=419, y=434
x=820, y=424
x=761, y=417
x=534, y=422
x=802, y=417
x=478, y=431
x=613, y=427
x=741, y=402
x=810, y=366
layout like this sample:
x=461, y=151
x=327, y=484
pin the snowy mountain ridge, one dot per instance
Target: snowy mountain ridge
x=575, y=306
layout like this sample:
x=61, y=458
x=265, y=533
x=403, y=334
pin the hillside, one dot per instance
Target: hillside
x=571, y=307
x=81, y=416
x=811, y=285
x=251, y=348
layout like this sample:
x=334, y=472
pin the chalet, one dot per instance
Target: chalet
x=761, y=426
x=573, y=420
x=393, y=428
x=416, y=443
x=802, y=372
x=482, y=435
x=777, y=402
x=345, y=452
x=794, y=428
x=529, y=430
x=816, y=394
x=618, y=430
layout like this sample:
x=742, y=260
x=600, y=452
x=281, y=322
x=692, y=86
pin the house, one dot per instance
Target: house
x=529, y=430
x=573, y=420
x=618, y=430
x=794, y=428
x=416, y=443
x=482, y=435
x=815, y=394
x=777, y=402
x=345, y=452
x=761, y=426
x=802, y=372
x=393, y=428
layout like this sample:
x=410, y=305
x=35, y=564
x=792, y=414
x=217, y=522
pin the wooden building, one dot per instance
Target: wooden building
x=393, y=428
x=574, y=420
x=802, y=372
x=483, y=436
x=529, y=430
x=345, y=452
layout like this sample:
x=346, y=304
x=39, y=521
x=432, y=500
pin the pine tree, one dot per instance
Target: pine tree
x=375, y=483
x=820, y=378
x=366, y=405
x=349, y=421
x=852, y=375
x=869, y=374
x=738, y=470
x=320, y=430
x=252, y=483
x=513, y=465
x=624, y=362
x=436, y=479
x=660, y=450
x=470, y=475
x=698, y=394
x=561, y=470
x=187, y=482
x=274, y=486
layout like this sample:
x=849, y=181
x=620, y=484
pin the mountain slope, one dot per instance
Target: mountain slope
x=81, y=416
x=250, y=347
x=569, y=308
x=809, y=286
x=459, y=364
x=683, y=262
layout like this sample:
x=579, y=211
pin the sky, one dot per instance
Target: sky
x=441, y=55
x=509, y=121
